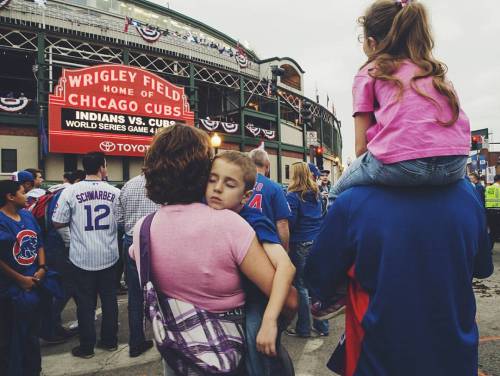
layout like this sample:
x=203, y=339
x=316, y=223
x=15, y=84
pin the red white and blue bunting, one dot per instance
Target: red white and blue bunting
x=222, y=126
x=13, y=104
x=256, y=131
x=241, y=57
x=4, y=3
x=213, y=125
x=150, y=35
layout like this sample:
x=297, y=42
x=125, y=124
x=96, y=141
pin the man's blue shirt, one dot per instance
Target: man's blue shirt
x=270, y=199
x=410, y=254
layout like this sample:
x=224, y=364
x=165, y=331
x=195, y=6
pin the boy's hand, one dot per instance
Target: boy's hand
x=266, y=338
x=39, y=275
x=28, y=283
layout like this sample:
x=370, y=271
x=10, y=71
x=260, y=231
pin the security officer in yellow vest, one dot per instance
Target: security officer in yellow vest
x=492, y=203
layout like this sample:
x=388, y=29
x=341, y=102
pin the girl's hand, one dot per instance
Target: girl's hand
x=28, y=283
x=266, y=338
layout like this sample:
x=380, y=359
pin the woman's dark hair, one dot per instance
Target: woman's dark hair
x=8, y=187
x=93, y=161
x=177, y=165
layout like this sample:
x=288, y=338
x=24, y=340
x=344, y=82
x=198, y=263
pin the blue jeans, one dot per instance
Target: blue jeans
x=298, y=254
x=368, y=170
x=135, y=298
x=258, y=364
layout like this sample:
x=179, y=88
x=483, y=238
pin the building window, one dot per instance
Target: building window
x=9, y=160
x=70, y=162
x=287, y=171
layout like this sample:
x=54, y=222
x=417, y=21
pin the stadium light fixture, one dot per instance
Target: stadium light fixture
x=216, y=142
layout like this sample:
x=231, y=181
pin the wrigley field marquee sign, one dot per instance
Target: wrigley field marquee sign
x=116, y=109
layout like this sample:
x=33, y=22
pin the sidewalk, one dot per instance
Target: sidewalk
x=57, y=360
x=309, y=355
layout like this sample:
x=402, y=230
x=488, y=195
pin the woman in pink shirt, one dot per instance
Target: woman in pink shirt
x=197, y=253
x=409, y=127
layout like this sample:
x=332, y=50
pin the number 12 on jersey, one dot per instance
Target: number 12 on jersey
x=95, y=216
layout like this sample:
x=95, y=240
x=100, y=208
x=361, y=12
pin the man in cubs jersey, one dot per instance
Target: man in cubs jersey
x=89, y=208
x=269, y=197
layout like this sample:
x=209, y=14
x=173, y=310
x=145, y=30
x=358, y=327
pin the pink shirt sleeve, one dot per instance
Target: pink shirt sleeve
x=135, y=249
x=363, y=93
x=240, y=237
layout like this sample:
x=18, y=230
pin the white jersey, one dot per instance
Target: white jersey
x=90, y=209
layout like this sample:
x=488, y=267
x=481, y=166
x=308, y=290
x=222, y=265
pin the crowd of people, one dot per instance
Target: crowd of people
x=221, y=260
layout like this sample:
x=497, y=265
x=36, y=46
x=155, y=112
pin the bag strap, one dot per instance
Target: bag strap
x=145, y=248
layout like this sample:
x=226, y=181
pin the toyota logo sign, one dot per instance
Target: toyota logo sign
x=107, y=146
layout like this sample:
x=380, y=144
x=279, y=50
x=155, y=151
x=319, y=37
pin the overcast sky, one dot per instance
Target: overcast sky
x=321, y=35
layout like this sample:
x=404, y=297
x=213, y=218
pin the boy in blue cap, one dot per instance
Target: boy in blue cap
x=26, y=179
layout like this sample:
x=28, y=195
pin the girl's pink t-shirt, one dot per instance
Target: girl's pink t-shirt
x=407, y=128
x=195, y=254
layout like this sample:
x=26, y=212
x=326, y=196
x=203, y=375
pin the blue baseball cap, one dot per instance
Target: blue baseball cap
x=22, y=176
x=314, y=170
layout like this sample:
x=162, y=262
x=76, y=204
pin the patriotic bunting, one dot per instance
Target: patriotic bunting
x=4, y=3
x=215, y=125
x=256, y=131
x=148, y=34
x=153, y=33
x=212, y=125
x=241, y=57
x=269, y=134
x=13, y=104
x=253, y=129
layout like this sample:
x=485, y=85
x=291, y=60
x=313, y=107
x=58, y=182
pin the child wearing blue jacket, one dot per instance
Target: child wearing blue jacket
x=230, y=185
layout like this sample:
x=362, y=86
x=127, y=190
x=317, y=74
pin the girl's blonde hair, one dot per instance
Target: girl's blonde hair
x=302, y=180
x=402, y=31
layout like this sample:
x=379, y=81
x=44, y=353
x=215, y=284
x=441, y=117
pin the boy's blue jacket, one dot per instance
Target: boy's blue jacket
x=264, y=229
x=266, y=233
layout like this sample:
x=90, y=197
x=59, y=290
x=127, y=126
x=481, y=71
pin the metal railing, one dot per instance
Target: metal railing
x=59, y=17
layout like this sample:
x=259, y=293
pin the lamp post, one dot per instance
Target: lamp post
x=216, y=141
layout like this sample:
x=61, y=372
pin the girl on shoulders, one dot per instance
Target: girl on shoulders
x=409, y=127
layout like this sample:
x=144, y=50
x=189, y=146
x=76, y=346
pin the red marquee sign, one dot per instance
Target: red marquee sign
x=112, y=108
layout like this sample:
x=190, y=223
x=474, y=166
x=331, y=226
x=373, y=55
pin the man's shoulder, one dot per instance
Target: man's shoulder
x=268, y=183
x=372, y=195
x=135, y=181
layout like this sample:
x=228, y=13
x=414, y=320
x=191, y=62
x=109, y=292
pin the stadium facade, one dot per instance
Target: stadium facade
x=85, y=75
